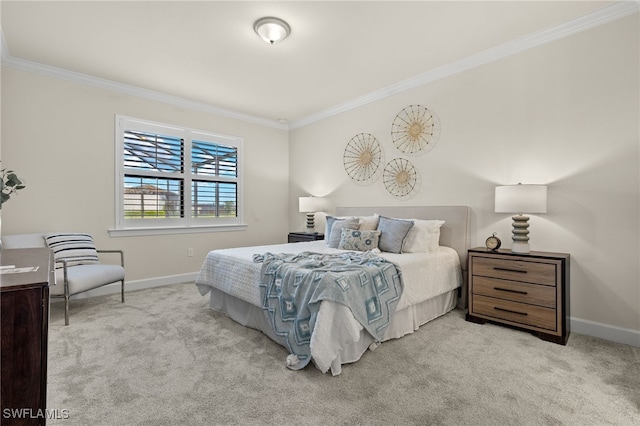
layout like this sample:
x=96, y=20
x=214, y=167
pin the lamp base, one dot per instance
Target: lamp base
x=520, y=234
x=311, y=226
x=520, y=248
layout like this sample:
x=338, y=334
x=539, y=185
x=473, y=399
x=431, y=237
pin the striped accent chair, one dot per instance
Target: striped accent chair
x=77, y=263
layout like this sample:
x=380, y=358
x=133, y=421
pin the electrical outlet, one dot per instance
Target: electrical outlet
x=190, y=252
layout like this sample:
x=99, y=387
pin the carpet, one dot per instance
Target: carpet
x=164, y=358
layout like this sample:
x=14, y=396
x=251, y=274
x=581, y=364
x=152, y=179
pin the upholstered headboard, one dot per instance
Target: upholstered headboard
x=454, y=233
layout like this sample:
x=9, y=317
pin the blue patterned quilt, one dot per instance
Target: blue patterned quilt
x=293, y=285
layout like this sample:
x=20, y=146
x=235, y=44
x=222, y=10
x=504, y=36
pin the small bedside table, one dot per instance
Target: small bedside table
x=298, y=237
x=528, y=291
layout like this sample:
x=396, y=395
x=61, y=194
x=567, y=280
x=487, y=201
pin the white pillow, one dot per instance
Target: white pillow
x=368, y=223
x=75, y=248
x=423, y=237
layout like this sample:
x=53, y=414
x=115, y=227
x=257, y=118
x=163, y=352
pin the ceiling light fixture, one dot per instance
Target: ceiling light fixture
x=272, y=30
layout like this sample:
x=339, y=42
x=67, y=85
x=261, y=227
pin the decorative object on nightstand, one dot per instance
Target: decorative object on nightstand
x=298, y=237
x=521, y=199
x=527, y=291
x=493, y=242
x=310, y=205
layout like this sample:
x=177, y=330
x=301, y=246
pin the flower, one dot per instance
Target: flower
x=10, y=184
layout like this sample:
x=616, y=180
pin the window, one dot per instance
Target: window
x=170, y=177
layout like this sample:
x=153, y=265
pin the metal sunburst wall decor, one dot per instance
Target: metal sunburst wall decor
x=401, y=178
x=363, y=158
x=415, y=130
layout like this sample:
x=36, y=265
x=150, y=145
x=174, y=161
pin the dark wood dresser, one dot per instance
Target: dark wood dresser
x=25, y=324
x=528, y=291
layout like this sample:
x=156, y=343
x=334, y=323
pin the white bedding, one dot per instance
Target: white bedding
x=233, y=271
x=425, y=276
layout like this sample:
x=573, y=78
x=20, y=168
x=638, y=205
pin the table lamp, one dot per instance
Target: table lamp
x=521, y=199
x=310, y=205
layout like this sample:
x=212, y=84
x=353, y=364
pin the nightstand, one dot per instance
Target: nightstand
x=527, y=291
x=298, y=237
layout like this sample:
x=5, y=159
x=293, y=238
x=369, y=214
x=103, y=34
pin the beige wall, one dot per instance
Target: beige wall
x=59, y=136
x=563, y=114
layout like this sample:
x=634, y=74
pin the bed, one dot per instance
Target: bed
x=433, y=285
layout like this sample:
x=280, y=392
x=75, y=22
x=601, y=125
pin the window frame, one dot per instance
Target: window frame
x=187, y=223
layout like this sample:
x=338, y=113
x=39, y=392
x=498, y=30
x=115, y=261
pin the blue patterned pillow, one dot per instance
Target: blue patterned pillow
x=392, y=233
x=76, y=249
x=353, y=239
x=334, y=229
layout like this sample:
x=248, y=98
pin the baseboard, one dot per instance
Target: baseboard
x=612, y=333
x=114, y=288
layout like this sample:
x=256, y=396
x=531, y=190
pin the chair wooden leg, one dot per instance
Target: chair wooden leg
x=122, y=291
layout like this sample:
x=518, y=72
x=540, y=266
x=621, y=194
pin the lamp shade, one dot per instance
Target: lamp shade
x=309, y=204
x=521, y=199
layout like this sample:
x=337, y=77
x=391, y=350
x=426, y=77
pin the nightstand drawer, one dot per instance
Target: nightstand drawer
x=299, y=237
x=533, y=294
x=514, y=312
x=516, y=270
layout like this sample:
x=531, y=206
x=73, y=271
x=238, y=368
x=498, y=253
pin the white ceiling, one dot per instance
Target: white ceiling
x=207, y=52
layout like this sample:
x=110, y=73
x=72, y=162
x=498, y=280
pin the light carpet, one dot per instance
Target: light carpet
x=164, y=358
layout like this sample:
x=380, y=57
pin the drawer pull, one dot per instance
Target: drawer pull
x=509, y=270
x=510, y=311
x=511, y=291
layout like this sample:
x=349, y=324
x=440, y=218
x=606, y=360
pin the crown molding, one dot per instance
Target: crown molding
x=101, y=83
x=594, y=19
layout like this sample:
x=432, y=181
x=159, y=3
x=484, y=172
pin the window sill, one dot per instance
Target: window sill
x=134, y=232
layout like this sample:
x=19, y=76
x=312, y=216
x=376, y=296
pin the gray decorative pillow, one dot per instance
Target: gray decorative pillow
x=393, y=233
x=335, y=227
x=329, y=221
x=353, y=239
x=75, y=248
